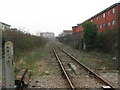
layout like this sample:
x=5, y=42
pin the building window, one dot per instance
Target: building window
x=113, y=22
x=2, y=27
x=108, y=23
x=108, y=13
x=103, y=15
x=91, y=20
x=113, y=10
x=97, y=18
x=101, y=26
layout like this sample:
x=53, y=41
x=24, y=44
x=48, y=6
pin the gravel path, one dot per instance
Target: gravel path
x=48, y=74
x=49, y=81
x=111, y=77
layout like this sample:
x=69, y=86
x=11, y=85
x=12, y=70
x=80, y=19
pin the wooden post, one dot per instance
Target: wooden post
x=9, y=69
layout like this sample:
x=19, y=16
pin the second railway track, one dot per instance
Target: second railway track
x=77, y=74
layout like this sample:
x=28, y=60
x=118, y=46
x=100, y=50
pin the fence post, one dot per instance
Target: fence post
x=9, y=68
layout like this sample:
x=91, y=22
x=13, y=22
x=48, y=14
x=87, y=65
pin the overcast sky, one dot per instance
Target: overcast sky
x=49, y=15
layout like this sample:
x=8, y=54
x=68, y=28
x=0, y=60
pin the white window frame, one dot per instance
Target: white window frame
x=101, y=26
x=96, y=18
x=108, y=23
x=113, y=22
x=113, y=10
x=108, y=13
x=3, y=27
x=103, y=15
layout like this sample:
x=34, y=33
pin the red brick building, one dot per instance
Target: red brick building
x=107, y=19
x=78, y=28
x=67, y=32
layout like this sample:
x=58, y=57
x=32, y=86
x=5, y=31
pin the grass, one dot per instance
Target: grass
x=16, y=71
x=91, y=61
x=106, y=58
x=97, y=60
x=28, y=59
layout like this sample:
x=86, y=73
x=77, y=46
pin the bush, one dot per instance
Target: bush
x=90, y=34
x=108, y=41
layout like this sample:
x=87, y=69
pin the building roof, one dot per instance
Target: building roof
x=67, y=30
x=101, y=12
x=5, y=24
x=74, y=26
x=13, y=29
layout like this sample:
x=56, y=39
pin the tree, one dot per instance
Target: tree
x=90, y=34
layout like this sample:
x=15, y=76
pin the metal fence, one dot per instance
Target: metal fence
x=76, y=39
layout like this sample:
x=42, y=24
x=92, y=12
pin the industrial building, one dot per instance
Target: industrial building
x=47, y=34
x=107, y=19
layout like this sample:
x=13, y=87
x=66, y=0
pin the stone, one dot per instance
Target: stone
x=87, y=76
x=114, y=58
x=74, y=68
x=47, y=73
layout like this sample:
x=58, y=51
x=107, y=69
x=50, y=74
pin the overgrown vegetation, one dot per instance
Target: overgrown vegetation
x=108, y=41
x=29, y=59
x=101, y=41
x=90, y=34
x=23, y=41
x=28, y=49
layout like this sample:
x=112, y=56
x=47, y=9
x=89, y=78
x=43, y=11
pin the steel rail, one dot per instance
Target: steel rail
x=19, y=82
x=23, y=75
x=63, y=69
x=106, y=82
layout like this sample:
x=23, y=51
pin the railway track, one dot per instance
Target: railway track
x=77, y=74
x=63, y=69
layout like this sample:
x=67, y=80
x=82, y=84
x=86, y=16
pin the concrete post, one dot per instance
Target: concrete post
x=9, y=69
x=0, y=57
